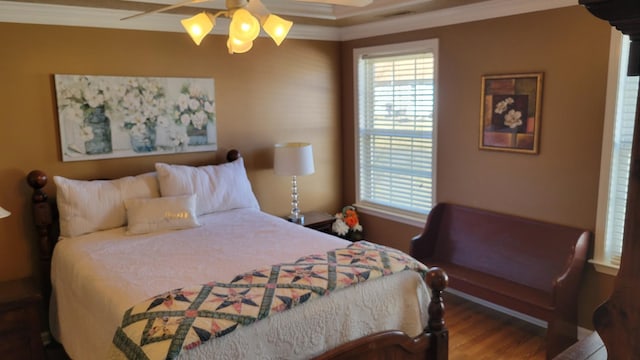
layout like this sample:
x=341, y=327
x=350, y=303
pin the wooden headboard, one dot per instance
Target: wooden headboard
x=45, y=218
x=617, y=319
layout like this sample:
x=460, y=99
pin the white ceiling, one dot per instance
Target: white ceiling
x=311, y=20
x=307, y=10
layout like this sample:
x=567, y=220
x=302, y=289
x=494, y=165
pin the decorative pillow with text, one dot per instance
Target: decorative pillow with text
x=164, y=213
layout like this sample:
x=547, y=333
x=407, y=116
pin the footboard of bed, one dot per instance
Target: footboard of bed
x=431, y=344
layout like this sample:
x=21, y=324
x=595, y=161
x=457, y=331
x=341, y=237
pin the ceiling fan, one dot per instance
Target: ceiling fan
x=246, y=17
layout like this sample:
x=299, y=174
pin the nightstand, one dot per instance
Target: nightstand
x=20, y=324
x=318, y=220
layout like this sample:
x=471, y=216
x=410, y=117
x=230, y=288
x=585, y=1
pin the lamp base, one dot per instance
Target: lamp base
x=298, y=220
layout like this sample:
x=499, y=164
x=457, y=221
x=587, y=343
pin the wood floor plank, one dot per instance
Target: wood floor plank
x=477, y=333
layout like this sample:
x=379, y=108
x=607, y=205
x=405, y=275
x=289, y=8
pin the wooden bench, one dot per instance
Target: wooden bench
x=529, y=266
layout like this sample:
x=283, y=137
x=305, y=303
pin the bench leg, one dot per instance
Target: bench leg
x=560, y=335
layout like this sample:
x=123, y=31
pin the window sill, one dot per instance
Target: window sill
x=605, y=267
x=398, y=216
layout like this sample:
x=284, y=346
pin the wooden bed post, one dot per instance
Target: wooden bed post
x=431, y=344
x=437, y=281
x=233, y=155
x=617, y=319
x=43, y=220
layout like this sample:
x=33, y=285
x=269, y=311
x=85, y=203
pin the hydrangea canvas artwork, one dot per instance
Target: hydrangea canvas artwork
x=113, y=116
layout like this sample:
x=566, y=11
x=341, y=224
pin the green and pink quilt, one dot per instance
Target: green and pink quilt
x=165, y=325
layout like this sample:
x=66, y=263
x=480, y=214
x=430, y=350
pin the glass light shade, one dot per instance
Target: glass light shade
x=244, y=26
x=237, y=46
x=4, y=213
x=277, y=28
x=199, y=26
x=293, y=159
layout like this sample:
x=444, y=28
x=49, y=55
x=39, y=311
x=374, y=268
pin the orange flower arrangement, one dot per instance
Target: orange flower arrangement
x=347, y=224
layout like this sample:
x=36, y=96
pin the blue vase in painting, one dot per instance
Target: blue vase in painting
x=144, y=141
x=101, y=128
x=197, y=136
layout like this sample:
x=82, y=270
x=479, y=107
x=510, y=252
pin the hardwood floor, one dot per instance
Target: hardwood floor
x=475, y=333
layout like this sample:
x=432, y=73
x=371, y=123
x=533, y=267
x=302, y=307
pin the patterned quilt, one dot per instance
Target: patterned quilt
x=181, y=319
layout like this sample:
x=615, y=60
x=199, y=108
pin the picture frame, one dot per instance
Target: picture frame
x=103, y=117
x=510, y=112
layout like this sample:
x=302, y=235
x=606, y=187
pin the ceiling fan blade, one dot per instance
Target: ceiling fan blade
x=356, y=3
x=166, y=8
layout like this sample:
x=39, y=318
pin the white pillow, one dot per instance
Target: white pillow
x=88, y=206
x=217, y=187
x=165, y=213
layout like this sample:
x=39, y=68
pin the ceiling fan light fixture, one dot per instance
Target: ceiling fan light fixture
x=277, y=28
x=246, y=19
x=199, y=26
x=244, y=26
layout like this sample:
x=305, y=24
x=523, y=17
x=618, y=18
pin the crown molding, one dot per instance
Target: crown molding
x=33, y=13
x=30, y=13
x=450, y=16
x=377, y=7
x=280, y=7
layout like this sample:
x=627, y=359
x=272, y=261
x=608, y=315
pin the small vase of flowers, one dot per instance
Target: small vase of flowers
x=347, y=224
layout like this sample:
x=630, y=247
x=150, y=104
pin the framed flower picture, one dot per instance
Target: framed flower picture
x=510, y=112
x=105, y=117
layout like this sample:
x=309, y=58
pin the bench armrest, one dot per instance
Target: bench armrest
x=423, y=245
x=567, y=284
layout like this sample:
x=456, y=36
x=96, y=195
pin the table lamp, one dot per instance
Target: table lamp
x=293, y=159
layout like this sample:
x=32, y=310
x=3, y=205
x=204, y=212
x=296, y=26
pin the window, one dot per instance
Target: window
x=395, y=137
x=616, y=157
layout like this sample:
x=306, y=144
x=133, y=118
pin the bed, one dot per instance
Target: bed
x=114, y=253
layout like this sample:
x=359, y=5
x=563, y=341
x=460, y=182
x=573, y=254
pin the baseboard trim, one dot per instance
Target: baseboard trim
x=582, y=332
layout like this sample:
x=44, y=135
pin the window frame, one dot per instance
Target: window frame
x=387, y=212
x=601, y=261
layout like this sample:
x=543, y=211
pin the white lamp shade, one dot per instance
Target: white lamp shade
x=4, y=213
x=277, y=28
x=236, y=46
x=293, y=159
x=199, y=26
x=244, y=26
x=273, y=25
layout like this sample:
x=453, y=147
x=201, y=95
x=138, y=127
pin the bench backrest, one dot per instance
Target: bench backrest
x=525, y=251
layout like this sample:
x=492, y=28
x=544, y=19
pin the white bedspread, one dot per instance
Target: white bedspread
x=96, y=277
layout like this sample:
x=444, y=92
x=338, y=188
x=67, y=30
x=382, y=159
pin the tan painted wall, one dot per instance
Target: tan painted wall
x=560, y=184
x=269, y=95
x=294, y=93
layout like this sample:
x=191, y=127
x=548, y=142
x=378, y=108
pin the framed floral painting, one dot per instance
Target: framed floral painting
x=104, y=117
x=510, y=112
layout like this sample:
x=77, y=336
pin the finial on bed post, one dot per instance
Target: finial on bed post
x=437, y=280
x=43, y=219
x=233, y=155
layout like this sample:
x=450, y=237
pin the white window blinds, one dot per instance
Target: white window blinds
x=620, y=158
x=396, y=130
